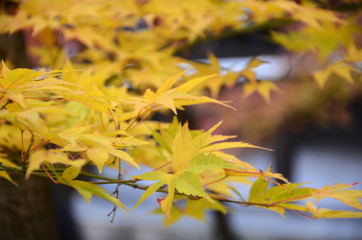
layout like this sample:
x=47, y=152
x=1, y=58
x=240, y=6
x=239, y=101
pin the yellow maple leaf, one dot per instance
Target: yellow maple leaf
x=349, y=197
x=171, y=98
x=52, y=157
x=263, y=88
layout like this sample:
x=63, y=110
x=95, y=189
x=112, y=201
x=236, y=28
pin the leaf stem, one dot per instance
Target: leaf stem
x=116, y=126
x=164, y=165
x=47, y=173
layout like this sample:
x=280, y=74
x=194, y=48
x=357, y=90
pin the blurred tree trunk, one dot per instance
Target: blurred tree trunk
x=223, y=229
x=26, y=212
x=12, y=48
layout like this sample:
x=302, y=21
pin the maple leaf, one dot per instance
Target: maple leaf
x=128, y=47
x=188, y=161
x=349, y=197
x=97, y=147
x=171, y=98
x=195, y=208
x=228, y=145
x=339, y=68
x=323, y=212
x=184, y=182
x=263, y=88
x=202, y=162
x=354, y=53
x=278, y=198
x=328, y=213
x=52, y=157
x=248, y=72
x=252, y=172
x=19, y=84
x=25, y=120
x=213, y=67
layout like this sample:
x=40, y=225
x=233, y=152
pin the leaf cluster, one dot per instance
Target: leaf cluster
x=108, y=66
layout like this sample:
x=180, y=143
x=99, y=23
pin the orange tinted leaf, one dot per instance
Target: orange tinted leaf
x=349, y=197
x=311, y=208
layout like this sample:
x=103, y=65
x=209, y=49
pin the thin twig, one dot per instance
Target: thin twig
x=116, y=191
x=46, y=171
x=215, y=181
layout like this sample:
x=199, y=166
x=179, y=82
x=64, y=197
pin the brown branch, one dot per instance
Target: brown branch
x=132, y=183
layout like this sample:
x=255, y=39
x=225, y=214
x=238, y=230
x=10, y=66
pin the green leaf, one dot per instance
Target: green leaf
x=70, y=173
x=257, y=189
x=201, y=163
x=150, y=190
x=183, y=148
x=189, y=184
x=287, y=193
